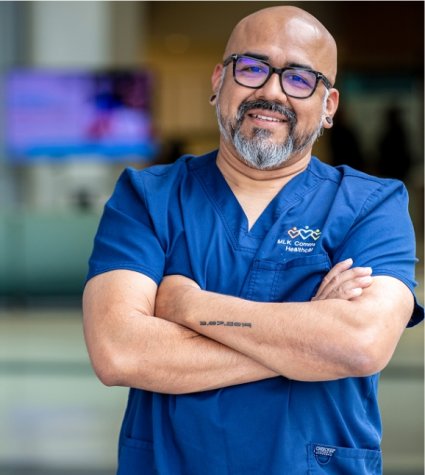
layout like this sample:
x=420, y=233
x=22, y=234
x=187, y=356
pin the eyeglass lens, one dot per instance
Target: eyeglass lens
x=253, y=73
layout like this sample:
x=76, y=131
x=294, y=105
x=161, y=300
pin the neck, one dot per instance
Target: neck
x=255, y=189
x=241, y=176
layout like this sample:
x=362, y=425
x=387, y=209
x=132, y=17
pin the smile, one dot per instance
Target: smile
x=267, y=118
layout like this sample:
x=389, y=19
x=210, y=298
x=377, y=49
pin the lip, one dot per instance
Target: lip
x=266, y=118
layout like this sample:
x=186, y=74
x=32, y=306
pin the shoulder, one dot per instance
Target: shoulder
x=157, y=188
x=156, y=173
x=356, y=185
x=345, y=173
x=161, y=177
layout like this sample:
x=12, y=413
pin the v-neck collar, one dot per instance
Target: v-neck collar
x=232, y=213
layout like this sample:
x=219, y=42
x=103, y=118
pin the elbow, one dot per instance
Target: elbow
x=364, y=364
x=368, y=357
x=106, y=376
x=106, y=367
x=105, y=356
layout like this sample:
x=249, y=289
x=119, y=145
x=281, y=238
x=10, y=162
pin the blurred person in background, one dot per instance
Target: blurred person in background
x=251, y=296
x=344, y=144
x=394, y=157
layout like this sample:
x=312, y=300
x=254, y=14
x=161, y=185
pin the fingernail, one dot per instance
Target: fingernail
x=364, y=270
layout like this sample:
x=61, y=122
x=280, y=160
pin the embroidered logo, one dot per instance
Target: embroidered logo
x=324, y=451
x=323, y=454
x=301, y=240
x=304, y=233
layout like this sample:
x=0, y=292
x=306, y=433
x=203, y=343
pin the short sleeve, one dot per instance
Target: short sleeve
x=126, y=238
x=383, y=238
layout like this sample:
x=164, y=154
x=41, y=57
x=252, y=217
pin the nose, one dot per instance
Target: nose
x=272, y=89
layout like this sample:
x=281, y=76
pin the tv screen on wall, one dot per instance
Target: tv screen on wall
x=58, y=115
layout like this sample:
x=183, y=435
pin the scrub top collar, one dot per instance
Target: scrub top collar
x=227, y=206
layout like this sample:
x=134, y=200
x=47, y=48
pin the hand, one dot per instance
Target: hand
x=344, y=282
x=170, y=303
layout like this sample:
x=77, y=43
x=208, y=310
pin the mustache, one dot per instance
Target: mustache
x=268, y=106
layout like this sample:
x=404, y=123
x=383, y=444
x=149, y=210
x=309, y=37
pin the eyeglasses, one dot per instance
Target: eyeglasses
x=297, y=82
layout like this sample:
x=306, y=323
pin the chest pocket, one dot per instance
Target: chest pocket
x=295, y=280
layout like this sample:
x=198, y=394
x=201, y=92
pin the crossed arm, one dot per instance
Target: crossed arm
x=350, y=328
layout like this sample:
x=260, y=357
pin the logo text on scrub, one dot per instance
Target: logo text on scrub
x=300, y=240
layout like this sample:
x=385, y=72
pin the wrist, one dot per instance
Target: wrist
x=185, y=303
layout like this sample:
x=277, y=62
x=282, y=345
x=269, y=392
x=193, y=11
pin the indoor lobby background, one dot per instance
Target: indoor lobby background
x=55, y=417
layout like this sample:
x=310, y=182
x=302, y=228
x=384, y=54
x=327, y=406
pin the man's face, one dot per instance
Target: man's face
x=265, y=133
x=266, y=127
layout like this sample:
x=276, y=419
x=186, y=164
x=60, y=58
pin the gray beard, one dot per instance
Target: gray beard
x=258, y=151
x=261, y=153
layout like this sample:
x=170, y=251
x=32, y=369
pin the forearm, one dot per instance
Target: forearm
x=279, y=336
x=129, y=348
x=310, y=341
x=165, y=357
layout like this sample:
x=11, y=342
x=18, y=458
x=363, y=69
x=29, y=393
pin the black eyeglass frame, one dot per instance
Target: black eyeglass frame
x=279, y=71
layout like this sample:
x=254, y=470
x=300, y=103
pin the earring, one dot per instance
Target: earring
x=213, y=98
x=329, y=120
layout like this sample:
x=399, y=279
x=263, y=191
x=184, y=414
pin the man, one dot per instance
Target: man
x=260, y=350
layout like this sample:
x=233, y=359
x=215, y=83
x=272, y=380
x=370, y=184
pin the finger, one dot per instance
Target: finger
x=356, y=277
x=342, y=294
x=348, y=294
x=348, y=286
x=347, y=290
x=363, y=282
x=334, y=280
x=350, y=275
x=359, y=271
x=336, y=269
x=353, y=293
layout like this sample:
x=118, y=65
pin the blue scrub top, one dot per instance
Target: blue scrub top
x=184, y=219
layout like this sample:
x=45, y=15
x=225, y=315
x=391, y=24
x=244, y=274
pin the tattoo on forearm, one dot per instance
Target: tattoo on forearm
x=217, y=323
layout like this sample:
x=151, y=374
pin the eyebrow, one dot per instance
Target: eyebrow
x=298, y=65
x=264, y=57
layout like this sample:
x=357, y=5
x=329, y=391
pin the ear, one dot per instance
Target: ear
x=216, y=77
x=331, y=107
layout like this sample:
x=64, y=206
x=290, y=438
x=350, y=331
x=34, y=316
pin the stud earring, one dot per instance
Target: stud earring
x=213, y=98
x=329, y=120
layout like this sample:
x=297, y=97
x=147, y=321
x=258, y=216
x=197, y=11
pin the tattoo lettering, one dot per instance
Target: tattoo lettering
x=217, y=323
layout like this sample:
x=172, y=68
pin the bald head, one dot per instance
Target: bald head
x=289, y=29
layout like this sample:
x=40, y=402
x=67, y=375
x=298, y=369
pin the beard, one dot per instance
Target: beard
x=258, y=150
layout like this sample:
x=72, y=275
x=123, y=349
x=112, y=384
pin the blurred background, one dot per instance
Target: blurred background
x=88, y=88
